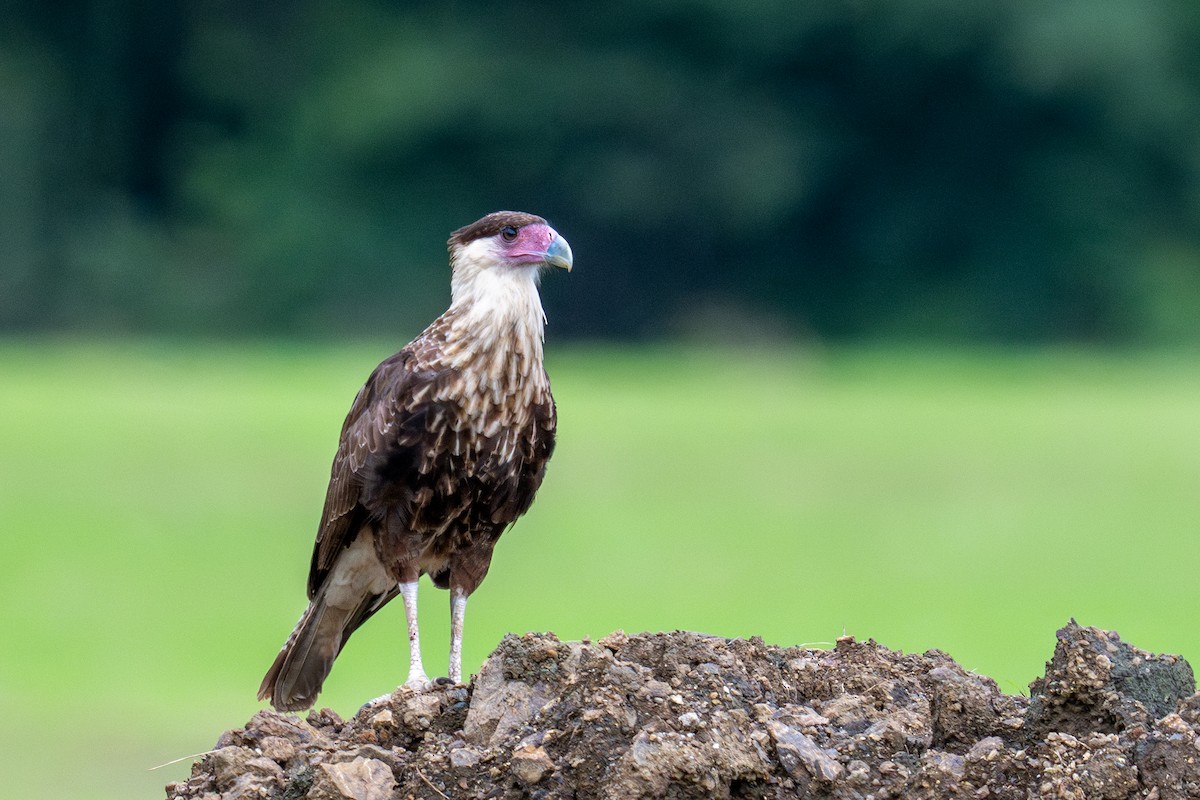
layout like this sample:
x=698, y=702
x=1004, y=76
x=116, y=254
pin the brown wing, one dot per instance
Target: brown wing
x=382, y=434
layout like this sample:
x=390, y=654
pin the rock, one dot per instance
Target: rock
x=614, y=641
x=986, y=749
x=384, y=718
x=267, y=724
x=417, y=711
x=1097, y=683
x=966, y=707
x=662, y=762
x=1098, y=768
x=325, y=718
x=238, y=772
x=1169, y=758
x=688, y=715
x=514, y=684
x=277, y=748
x=464, y=757
x=797, y=751
x=654, y=690
x=500, y=706
x=360, y=779
x=228, y=764
x=530, y=763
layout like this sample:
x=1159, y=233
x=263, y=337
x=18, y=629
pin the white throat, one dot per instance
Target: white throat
x=495, y=305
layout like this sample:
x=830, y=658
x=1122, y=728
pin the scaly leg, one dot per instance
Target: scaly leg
x=417, y=679
x=458, y=608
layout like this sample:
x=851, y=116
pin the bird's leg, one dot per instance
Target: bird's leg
x=417, y=679
x=458, y=608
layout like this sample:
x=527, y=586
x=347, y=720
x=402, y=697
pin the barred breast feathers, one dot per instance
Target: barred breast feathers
x=490, y=343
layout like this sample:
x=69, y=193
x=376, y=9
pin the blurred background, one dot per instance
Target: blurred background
x=999, y=172
x=884, y=322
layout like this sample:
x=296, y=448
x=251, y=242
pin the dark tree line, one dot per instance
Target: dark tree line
x=1014, y=171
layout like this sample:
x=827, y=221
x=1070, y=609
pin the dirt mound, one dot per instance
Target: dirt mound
x=689, y=715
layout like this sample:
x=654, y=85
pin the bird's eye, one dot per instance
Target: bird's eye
x=508, y=233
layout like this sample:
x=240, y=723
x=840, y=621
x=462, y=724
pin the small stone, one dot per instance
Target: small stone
x=795, y=749
x=420, y=710
x=263, y=767
x=325, y=718
x=615, y=640
x=530, y=764
x=383, y=718
x=948, y=764
x=292, y=728
x=277, y=748
x=810, y=719
x=986, y=749
x=464, y=757
x=654, y=690
x=374, y=751
x=887, y=731
x=690, y=720
x=228, y=763
x=1173, y=723
x=360, y=779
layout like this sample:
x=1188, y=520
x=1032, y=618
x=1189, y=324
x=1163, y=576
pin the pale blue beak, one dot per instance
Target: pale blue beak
x=558, y=254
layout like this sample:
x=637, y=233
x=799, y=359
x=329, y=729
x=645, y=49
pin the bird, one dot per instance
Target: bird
x=443, y=448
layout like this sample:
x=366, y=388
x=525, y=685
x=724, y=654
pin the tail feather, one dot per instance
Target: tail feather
x=293, y=681
x=356, y=588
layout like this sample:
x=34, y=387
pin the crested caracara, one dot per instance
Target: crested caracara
x=444, y=447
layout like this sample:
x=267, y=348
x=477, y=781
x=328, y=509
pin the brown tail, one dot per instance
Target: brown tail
x=294, y=680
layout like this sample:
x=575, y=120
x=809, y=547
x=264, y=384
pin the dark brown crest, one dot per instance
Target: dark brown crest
x=491, y=225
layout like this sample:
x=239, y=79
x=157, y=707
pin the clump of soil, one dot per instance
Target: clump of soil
x=676, y=715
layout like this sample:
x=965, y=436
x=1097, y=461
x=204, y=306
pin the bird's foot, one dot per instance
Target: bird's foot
x=378, y=702
x=417, y=682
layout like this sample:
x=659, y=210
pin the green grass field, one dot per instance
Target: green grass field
x=159, y=502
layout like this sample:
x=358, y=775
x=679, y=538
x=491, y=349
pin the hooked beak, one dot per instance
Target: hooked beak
x=558, y=254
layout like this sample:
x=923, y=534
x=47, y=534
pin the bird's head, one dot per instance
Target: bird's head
x=508, y=240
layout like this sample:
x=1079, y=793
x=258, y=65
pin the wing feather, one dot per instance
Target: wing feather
x=407, y=458
x=383, y=427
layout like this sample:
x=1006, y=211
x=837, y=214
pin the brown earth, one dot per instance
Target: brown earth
x=678, y=715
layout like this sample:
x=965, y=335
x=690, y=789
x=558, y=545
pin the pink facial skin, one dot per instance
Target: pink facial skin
x=537, y=244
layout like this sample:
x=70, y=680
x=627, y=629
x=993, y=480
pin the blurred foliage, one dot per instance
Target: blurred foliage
x=1015, y=171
